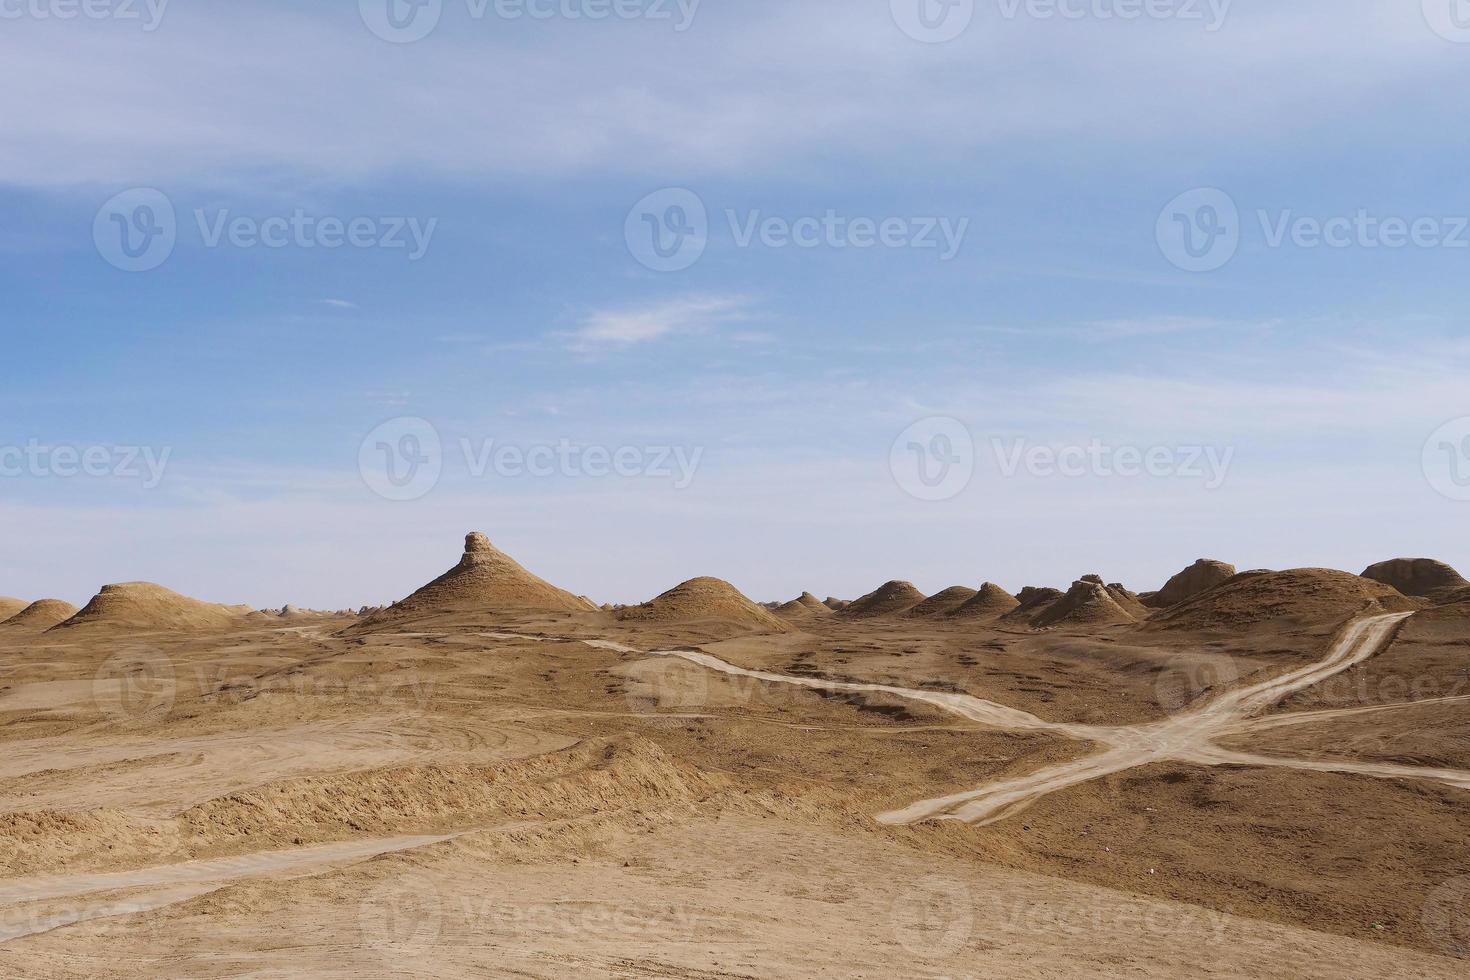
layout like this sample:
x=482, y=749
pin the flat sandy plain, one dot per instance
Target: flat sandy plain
x=478, y=792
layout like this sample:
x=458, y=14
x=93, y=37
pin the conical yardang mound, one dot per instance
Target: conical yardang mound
x=889, y=599
x=944, y=603
x=702, y=600
x=1088, y=603
x=41, y=615
x=1202, y=576
x=485, y=580
x=804, y=606
x=1032, y=602
x=145, y=606
x=991, y=602
x=1418, y=576
x=1297, y=597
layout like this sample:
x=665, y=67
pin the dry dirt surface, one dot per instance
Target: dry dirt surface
x=449, y=792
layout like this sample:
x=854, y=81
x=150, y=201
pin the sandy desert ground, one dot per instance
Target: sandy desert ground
x=1253, y=774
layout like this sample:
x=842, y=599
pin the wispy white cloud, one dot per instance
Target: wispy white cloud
x=340, y=304
x=641, y=324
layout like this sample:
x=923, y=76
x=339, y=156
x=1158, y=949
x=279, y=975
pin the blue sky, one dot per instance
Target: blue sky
x=789, y=372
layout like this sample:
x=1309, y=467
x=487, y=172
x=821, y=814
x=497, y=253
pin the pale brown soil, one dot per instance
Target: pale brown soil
x=546, y=799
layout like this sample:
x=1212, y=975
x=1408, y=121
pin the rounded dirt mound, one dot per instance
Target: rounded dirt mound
x=1424, y=577
x=1202, y=576
x=1032, y=601
x=485, y=580
x=9, y=607
x=1299, y=596
x=889, y=599
x=703, y=600
x=991, y=602
x=41, y=615
x=146, y=606
x=944, y=603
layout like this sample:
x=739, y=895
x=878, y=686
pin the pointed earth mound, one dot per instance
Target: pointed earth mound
x=889, y=599
x=944, y=603
x=486, y=580
x=146, y=606
x=991, y=602
x=41, y=615
x=703, y=600
x=1202, y=576
x=1424, y=577
x=1087, y=603
x=804, y=606
x=1299, y=596
x=1131, y=602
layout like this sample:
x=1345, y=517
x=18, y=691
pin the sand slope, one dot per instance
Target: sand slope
x=1088, y=603
x=1424, y=577
x=889, y=599
x=1297, y=596
x=1203, y=575
x=803, y=606
x=10, y=606
x=991, y=602
x=944, y=603
x=41, y=615
x=705, y=599
x=146, y=606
